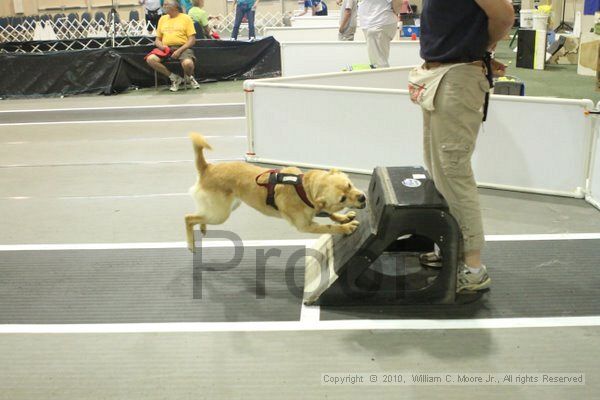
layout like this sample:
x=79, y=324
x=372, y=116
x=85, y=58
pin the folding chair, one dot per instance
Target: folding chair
x=134, y=15
x=100, y=18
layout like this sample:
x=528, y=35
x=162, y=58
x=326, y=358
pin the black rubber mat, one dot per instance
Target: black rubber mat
x=201, y=111
x=161, y=285
x=529, y=279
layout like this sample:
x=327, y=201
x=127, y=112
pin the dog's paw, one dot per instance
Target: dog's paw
x=203, y=229
x=350, y=215
x=191, y=245
x=350, y=227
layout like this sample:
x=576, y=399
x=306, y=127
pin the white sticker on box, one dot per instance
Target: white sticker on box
x=411, y=183
x=419, y=176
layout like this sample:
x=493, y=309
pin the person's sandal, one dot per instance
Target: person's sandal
x=431, y=260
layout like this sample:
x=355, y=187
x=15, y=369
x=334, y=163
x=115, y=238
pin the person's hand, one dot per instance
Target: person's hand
x=254, y=7
x=176, y=54
x=498, y=69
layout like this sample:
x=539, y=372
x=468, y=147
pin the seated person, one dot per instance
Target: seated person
x=318, y=7
x=176, y=31
x=199, y=15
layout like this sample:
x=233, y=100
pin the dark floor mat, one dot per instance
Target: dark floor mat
x=156, y=285
x=529, y=279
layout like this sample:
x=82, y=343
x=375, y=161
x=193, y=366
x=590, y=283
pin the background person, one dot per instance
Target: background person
x=199, y=15
x=348, y=12
x=185, y=5
x=245, y=8
x=317, y=7
x=452, y=88
x=153, y=12
x=176, y=31
x=379, y=22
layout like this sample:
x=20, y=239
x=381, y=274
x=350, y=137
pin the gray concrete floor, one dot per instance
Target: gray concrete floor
x=127, y=182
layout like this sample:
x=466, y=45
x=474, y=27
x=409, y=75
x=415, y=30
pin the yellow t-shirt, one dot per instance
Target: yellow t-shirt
x=175, y=31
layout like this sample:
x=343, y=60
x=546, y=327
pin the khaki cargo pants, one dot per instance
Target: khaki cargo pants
x=449, y=136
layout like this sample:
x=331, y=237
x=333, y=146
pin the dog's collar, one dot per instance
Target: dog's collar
x=279, y=178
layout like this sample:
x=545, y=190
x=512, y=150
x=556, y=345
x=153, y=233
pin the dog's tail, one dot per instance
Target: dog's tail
x=199, y=144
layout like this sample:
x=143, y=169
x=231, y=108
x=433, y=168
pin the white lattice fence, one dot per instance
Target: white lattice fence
x=64, y=29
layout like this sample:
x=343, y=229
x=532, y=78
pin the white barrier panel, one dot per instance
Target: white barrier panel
x=308, y=34
x=528, y=144
x=325, y=20
x=593, y=195
x=535, y=144
x=301, y=58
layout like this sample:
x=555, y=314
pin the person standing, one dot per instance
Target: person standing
x=153, y=12
x=348, y=11
x=452, y=88
x=245, y=8
x=185, y=5
x=379, y=22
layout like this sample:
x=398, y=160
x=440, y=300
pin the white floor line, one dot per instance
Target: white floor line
x=112, y=140
x=257, y=243
x=122, y=107
x=122, y=121
x=154, y=245
x=114, y=163
x=552, y=236
x=310, y=314
x=124, y=196
x=292, y=326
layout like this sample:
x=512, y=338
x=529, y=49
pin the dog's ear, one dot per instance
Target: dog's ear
x=334, y=171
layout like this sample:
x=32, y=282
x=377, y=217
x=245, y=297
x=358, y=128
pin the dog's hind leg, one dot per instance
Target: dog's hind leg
x=190, y=221
x=213, y=209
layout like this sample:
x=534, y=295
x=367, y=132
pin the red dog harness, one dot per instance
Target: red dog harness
x=278, y=178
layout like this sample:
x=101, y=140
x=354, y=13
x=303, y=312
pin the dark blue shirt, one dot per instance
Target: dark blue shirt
x=453, y=31
x=591, y=6
x=311, y=3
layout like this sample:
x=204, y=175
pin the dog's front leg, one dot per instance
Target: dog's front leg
x=309, y=226
x=343, y=218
